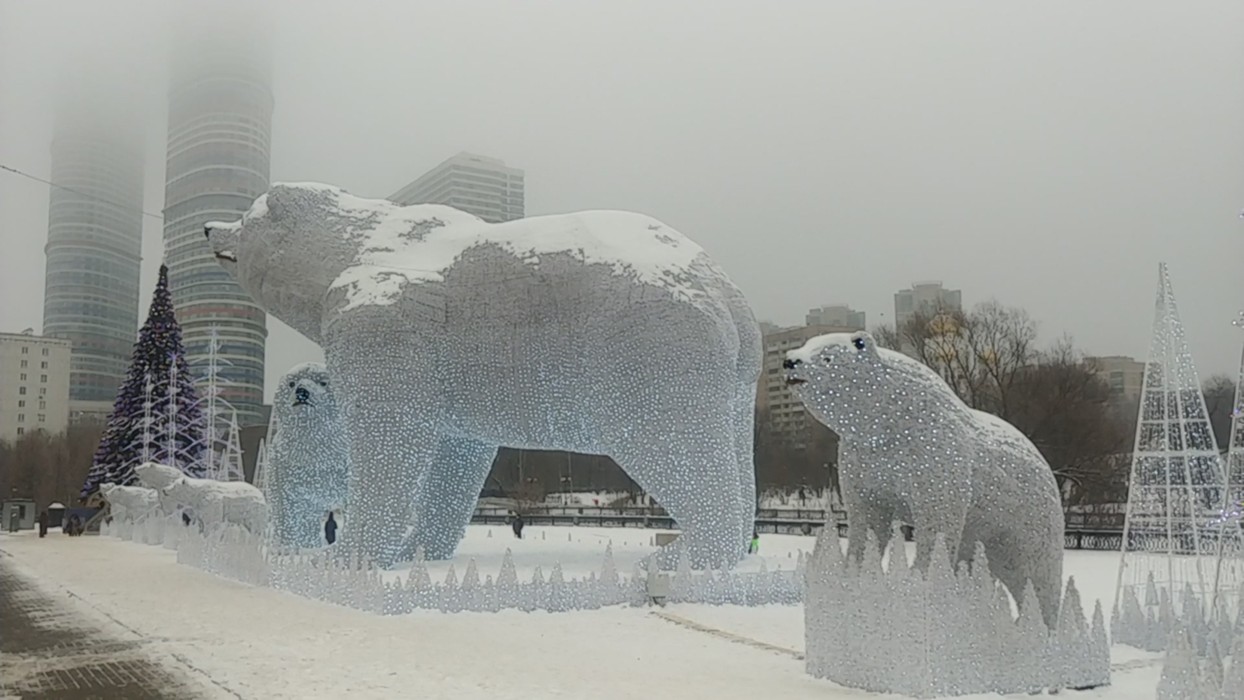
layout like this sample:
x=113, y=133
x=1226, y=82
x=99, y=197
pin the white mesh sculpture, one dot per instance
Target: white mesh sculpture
x=940, y=632
x=1177, y=492
x=219, y=502
x=130, y=502
x=307, y=465
x=600, y=332
x=912, y=451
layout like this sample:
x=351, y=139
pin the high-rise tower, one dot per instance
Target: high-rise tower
x=94, y=246
x=219, y=120
x=485, y=187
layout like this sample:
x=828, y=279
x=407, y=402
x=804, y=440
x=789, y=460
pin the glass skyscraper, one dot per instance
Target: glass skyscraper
x=94, y=247
x=219, y=120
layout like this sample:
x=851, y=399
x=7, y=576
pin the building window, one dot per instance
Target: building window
x=23, y=377
x=21, y=403
x=45, y=352
x=21, y=390
x=42, y=405
x=43, y=391
x=21, y=418
x=43, y=378
x=42, y=418
x=44, y=365
x=25, y=350
x=21, y=431
x=23, y=364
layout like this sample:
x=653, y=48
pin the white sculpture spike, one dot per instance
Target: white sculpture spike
x=1177, y=485
x=1229, y=568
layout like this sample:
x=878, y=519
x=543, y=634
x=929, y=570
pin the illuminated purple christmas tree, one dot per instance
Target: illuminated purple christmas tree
x=156, y=415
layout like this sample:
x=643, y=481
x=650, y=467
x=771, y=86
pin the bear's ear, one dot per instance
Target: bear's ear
x=275, y=205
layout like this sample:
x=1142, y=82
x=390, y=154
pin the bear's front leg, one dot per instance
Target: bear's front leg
x=448, y=495
x=386, y=384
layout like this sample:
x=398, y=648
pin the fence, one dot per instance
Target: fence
x=768, y=520
x=233, y=552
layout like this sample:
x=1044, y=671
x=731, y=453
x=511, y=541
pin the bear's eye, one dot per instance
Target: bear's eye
x=859, y=343
x=291, y=385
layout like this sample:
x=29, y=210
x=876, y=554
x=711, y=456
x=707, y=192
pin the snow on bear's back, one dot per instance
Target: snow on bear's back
x=157, y=476
x=402, y=245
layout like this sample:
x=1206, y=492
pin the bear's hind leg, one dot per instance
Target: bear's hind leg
x=448, y=494
x=694, y=476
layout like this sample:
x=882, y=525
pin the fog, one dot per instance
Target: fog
x=1047, y=155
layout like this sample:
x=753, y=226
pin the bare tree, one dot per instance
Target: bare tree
x=1064, y=408
x=48, y=468
x=1219, y=392
x=990, y=359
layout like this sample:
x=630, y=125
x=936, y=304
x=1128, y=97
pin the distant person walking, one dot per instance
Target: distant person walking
x=754, y=546
x=517, y=525
x=43, y=523
x=330, y=528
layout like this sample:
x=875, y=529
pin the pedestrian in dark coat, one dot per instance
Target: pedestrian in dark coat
x=43, y=523
x=330, y=529
x=517, y=525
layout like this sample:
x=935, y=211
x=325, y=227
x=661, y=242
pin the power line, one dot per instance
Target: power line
x=36, y=178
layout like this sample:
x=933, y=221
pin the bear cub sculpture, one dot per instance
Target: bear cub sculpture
x=912, y=451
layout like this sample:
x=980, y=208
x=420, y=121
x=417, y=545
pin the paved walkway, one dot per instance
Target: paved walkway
x=50, y=649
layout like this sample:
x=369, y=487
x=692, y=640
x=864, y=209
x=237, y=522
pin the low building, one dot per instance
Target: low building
x=34, y=384
x=1124, y=375
x=837, y=315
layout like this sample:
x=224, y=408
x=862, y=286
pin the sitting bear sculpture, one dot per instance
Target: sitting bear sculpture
x=308, y=466
x=601, y=332
x=912, y=451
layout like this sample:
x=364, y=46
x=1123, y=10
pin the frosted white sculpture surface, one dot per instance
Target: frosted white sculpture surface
x=912, y=451
x=158, y=476
x=129, y=502
x=308, y=460
x=601, y=332
x=940, y=632
x=222, y=501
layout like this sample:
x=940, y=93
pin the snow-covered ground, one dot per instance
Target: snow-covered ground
x=263, y=643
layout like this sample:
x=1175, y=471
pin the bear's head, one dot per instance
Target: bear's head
x=305, y=392
x=855, y=387
x=839, y=377
x=287, y=250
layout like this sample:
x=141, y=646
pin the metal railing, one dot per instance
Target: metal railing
x=768, y=520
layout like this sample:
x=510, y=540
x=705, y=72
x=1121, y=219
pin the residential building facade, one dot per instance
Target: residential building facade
x=219, y=146
x=35, y=376
x=94, y=247
x=1124, y=375
x=785, y=411
x=485, y=187
x=927, y=298
x=836, y=315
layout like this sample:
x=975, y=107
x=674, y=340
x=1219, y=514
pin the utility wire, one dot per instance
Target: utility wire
x=36, y=178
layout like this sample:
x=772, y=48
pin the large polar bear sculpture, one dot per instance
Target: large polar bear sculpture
x=215, y=502
x=129, y=502
x=912, y=451
x=308, y=466
x=602, y=332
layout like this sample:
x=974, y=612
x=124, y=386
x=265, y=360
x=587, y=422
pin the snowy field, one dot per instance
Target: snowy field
x=251, y=642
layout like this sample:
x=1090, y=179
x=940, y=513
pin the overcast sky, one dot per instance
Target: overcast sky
x=1046, y=154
